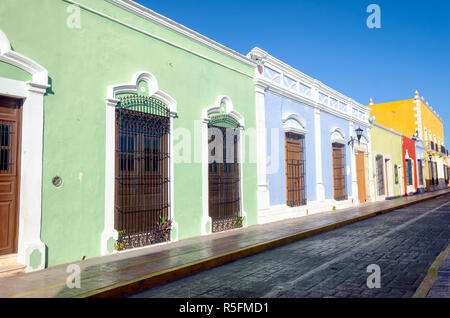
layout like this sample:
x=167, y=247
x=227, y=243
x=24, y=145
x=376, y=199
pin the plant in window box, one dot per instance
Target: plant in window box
x=118, y=245
x=162, y=231
x=239, y=221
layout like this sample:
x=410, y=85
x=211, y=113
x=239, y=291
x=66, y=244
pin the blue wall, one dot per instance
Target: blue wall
x=276, y=108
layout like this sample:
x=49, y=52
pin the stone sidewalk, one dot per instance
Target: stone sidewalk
x=436, y=283
x=129, y=272
x=441, y=286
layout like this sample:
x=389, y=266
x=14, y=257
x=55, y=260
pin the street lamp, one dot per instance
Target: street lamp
x=359, y=133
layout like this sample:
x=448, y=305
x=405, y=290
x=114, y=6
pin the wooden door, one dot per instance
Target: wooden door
x=295, y=170
x=380, y=176
x=361, y=177
x=10, y=128
x=338, y=152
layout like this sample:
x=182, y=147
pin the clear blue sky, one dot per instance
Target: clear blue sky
x=329, y=40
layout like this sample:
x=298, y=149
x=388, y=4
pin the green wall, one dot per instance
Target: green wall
x=387, y=143
x=82, y=63
x=13, y=72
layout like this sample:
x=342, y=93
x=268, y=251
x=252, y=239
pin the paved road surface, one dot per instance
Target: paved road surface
x=403, y=243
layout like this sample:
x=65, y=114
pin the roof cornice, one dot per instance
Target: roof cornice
x=302, y=77
x=430, y=108
x=159, y=19
x=387, y=129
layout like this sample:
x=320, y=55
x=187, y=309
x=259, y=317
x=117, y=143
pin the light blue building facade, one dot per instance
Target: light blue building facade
x=305, y=161
x=420, y=166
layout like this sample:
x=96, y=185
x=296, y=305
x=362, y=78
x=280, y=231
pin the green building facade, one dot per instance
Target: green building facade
x=69, y=64
x=387, y=162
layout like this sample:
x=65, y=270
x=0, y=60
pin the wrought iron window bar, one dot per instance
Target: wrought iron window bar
x=142, y=171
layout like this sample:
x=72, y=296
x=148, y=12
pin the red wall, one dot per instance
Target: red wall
x=409, y=144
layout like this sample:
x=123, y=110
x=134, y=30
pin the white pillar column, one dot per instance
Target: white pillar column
x=109, y=235
x=371, y=181
x=261, y=140
x=31, y=250
x=206, y=219
x=353, y=165
x=320, y=191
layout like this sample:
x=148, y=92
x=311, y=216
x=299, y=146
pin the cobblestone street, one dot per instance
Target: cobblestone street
x=404, y=243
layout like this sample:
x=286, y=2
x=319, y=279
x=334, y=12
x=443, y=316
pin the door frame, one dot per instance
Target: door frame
x=223, y=105
x=377, y=195
x=30, y=249
x=19, y=105
x=110, y=234
x=389, y=178
x=362, y=147
x=364, y=155
x=302, y=183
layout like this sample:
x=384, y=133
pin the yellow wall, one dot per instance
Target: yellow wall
x=432, y=123
x=398, y=116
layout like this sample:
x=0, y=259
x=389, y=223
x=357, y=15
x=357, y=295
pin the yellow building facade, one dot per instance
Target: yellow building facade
x=416, y=118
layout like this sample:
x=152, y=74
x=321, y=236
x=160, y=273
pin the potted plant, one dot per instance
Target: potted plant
x=239, y=221
x=162, y=231
x=118, y=246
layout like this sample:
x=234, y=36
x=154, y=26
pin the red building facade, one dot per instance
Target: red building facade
x=409, y=165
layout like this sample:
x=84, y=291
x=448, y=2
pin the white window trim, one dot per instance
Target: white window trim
x=206, y=223
x=299, y=124
x=337, y=135
x=111, y=101
x=30, y=192
x=410, y=187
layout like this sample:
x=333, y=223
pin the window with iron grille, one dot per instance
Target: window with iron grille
x=448, y=174
x=396, y=174
x=445, y=174
x=142, y=170
x=431, y=172
x=295, y=169
x=380, y=174
x=436, y=180
x=223, y=173
x=420, y=168
x=338, y=153
x=409, y=177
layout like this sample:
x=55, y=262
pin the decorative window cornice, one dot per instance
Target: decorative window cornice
x=132, y=87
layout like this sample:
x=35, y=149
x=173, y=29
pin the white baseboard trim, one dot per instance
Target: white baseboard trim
x=282, y=212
